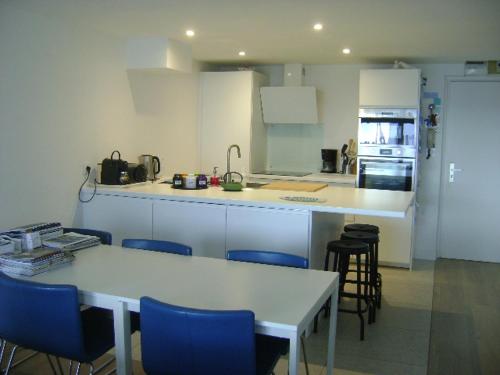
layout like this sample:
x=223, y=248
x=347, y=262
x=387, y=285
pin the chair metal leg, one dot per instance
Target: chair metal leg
x=78, y=369
x=358, y=299
x=70, y=367
x=302, y=341
x=11, y=358
x=91, y=370
x=2, y=350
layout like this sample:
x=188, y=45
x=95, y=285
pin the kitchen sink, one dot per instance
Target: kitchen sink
x=255, y=185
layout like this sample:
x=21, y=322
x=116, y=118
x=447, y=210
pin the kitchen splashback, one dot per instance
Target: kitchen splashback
x=294, y=148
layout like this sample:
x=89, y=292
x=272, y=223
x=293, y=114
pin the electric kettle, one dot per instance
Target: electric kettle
x=152, y=165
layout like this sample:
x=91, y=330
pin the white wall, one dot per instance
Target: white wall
x=66, y=101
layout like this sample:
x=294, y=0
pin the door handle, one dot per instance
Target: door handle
x=452, y=172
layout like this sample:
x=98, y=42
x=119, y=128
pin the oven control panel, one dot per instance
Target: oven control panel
x=391, y=152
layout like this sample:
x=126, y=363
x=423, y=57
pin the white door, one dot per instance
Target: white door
x=226, y=105
x=469, y=213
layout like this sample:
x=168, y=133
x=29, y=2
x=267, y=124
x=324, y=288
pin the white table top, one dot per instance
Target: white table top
x=280, y=297
x=337, y=199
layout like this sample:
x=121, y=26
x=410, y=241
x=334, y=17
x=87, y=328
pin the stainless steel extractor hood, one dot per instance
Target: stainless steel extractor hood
x=291, y=103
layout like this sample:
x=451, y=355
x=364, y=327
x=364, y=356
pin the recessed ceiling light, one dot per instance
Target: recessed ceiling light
x=346, y=51
x=318, y=26
x=242, y=53
x=190, y=33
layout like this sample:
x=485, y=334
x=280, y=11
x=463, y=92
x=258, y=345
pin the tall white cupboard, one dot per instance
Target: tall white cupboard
x=389, y=88
x=231, y=113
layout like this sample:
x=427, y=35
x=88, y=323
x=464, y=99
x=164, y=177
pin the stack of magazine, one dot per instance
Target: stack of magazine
x=29, y=263
x=72, y=241
x=28, y=237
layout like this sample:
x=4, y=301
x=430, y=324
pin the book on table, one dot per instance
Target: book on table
x=46, y=230
x=72, y=241
x=31, y=236
x=29, y=263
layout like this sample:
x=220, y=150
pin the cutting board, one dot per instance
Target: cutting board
x=295, y=186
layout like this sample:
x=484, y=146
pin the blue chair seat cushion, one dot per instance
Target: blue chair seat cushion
x=99, y=333
x=266, y=348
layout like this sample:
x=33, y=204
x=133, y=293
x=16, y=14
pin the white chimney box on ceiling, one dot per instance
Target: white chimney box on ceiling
x=158, y=53
x=293, y=75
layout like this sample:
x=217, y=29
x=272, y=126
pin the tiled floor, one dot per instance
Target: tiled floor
x=465, y=318
x=398, y=343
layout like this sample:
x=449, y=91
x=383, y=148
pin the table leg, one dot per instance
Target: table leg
x=294, y=355
x=332, y=332
x=122, y=339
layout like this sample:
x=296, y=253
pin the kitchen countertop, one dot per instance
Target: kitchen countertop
x=336, y=199
x=338, y=178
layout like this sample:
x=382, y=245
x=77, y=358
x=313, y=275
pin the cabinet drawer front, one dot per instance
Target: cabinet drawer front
x=268, y=229
x=123, y=217
x=199, y=225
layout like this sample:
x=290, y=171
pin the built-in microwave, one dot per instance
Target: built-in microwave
x=388, y=132
x=386, y=173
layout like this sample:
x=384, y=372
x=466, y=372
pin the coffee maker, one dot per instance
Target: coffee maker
x=329, y=157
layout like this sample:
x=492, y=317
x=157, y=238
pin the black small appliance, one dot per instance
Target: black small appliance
x=329, y=157
x=137, y=173
x=113, y=169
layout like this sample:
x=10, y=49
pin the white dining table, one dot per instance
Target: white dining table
x=284, y=300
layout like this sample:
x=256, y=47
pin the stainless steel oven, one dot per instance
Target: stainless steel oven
x=386, y=173
x=387, y=148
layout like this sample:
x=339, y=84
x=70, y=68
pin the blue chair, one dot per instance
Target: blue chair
x=267, y=257
x=156, y=245
x=47, y=318
x=106, y=238
x=180, y=340
x=276, y=259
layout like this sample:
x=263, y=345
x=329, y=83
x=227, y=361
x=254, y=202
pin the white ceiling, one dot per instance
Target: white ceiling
x=280, y=31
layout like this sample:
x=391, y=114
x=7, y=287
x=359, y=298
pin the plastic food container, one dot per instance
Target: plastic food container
x=202, y=182
x=190, y=181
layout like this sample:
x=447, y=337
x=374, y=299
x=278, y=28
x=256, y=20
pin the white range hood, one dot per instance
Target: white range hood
x=292, y=103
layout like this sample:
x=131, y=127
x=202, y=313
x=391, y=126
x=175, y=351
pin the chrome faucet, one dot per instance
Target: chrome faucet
x=227, y=176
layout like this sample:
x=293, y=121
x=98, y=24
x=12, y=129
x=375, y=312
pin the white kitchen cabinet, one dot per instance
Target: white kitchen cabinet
x=253, y=228
x=123, y=217
x=199, y=225
x=231, y=114
x=389, y=88
x=396, y=237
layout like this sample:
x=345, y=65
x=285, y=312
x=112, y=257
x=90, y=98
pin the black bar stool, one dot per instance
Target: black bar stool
x=342, y=251
x=362, y=228
x=359, y=227
x=372, y=229
x=372, y=240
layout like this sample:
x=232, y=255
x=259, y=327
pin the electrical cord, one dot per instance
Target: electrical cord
x=83, y=184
